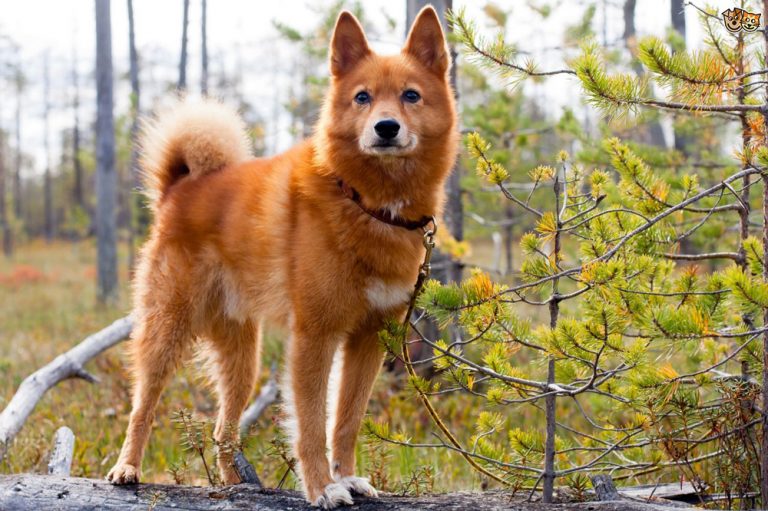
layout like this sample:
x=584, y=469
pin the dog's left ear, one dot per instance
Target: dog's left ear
x=426, y=41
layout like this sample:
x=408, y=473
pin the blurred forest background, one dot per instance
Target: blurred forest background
x=601, y=298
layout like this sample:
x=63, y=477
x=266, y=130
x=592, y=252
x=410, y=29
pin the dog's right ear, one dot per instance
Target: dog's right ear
x=348, y=45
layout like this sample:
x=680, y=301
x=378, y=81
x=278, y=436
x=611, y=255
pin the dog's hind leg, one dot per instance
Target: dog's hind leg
x=362, y=361
x=157, y=346
x=235, y=351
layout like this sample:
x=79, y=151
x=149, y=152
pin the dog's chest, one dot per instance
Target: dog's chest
x=383, y=295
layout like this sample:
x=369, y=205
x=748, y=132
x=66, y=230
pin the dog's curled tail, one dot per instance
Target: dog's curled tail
x=190, y=139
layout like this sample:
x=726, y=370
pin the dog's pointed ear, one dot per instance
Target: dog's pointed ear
x=426, y=41
x=348, y=44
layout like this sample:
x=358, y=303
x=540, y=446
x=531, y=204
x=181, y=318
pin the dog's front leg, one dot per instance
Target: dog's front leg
x=363, y=357
x=311, y=356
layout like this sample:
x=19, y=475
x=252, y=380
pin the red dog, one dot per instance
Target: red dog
x=324, y=238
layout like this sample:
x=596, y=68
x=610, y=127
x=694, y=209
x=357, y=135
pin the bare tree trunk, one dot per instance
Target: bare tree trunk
x=182, y=85
x=133, y=200
x=677, y=15
x=5, y=225
x=78, y=193
x=630, y=34
x=454, y=209
x=204, y=73
x=17, y=193
x=106, y=221
x=47, y=184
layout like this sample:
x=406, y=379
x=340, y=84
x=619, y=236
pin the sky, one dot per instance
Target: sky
x=242, y=38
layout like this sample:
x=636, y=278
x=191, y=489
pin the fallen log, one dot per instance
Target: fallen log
x=30, y=492
x=67, y=365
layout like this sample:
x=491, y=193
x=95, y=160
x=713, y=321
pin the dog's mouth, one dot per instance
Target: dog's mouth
x=389, y=147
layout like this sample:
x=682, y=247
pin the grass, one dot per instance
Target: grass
x=47, y=292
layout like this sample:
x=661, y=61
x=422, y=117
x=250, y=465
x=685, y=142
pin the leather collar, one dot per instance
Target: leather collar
x=383, y=215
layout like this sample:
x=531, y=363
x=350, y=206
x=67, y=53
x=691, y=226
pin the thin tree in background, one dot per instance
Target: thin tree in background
x=19, y=82
x=5, y=226
x=182, y=85
x=106, y=222
x=204, y=45
x=48, y=184
x=135, y=111
x=77, y=192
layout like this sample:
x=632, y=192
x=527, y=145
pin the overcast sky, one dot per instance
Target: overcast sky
x=63, y=28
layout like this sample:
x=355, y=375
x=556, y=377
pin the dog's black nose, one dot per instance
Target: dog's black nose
x=387, y=128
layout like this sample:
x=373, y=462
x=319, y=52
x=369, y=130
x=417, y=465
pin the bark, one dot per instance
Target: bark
x=29, y=492
x=106, y=175
x=67, y=365
x=47, y=183
x=182, y=85
x=204, y=44
x=133, y=200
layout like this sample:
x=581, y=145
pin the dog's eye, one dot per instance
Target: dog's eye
x=411, y=96
x=362, y=98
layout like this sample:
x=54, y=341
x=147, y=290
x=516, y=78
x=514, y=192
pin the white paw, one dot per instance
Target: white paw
x=333, y=496
x=357, y=485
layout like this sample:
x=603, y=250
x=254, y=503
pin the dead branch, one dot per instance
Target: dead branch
x=267, y=396
x=67, y=365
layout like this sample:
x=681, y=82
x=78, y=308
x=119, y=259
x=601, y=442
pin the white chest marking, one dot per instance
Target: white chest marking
x=382, y=295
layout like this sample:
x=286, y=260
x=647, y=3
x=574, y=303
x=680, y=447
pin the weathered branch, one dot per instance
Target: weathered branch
x=67, y=365
x=267, y=396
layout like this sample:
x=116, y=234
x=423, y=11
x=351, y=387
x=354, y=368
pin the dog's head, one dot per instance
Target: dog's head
x=389, y=107
x=732, y=19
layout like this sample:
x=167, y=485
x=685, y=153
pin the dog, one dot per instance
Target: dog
x=325, y=239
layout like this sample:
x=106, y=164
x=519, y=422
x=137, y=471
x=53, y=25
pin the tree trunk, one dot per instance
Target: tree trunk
x=133, y=198
x=106, y=221
x=454, y=209
x=677, y=15
x=630, y=35
x=182, y=85
x=47, y=183
x=17, y=193
x=78, y=193
x=204, y=50
x=5, y=225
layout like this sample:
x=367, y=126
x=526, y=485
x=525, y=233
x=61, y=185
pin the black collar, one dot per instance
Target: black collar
x=383, y=215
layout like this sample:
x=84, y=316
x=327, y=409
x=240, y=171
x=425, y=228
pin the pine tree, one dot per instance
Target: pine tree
x=643, y=359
